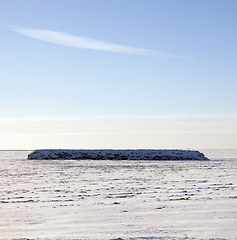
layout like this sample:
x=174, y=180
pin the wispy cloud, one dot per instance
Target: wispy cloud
x=66, y=39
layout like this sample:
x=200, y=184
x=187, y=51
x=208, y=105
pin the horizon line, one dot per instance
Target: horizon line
x=176, y=116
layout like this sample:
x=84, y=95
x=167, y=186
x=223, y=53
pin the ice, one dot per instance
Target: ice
x=110, y=199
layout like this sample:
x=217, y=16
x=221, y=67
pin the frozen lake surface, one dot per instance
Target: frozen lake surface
x=109, y=199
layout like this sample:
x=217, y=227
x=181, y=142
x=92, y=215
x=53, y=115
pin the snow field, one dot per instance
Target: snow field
x=108, y=199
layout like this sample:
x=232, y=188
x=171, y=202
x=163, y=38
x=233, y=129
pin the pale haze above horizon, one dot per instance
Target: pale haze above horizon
x=118, y=74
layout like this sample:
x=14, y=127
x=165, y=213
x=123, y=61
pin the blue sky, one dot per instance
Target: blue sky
x=142, y=61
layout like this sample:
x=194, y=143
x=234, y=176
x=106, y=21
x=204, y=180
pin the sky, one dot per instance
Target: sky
x=118, y=74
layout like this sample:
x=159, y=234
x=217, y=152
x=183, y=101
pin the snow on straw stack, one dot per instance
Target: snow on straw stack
x=111, y=154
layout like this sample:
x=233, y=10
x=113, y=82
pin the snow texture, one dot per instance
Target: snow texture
x=117, y=199
x=109, y=154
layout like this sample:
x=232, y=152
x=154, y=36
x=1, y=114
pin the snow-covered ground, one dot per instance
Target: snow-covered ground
x=109, y=199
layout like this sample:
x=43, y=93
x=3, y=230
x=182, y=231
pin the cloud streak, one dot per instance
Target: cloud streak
x=66, y=39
